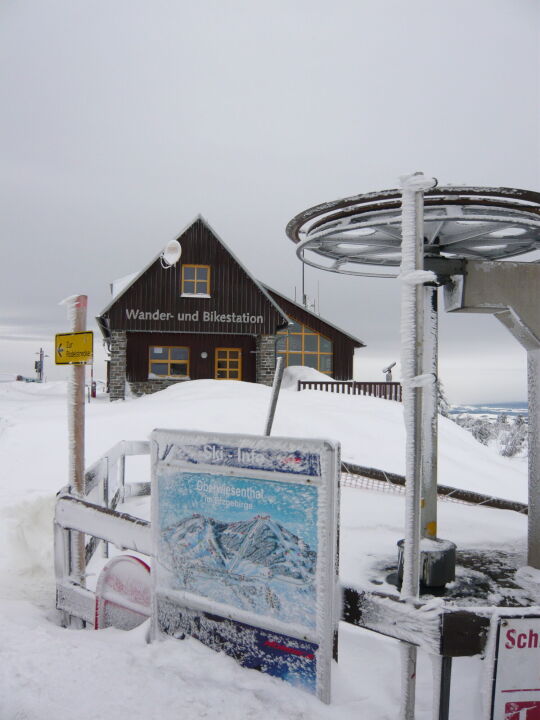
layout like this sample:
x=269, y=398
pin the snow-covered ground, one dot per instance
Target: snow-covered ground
x=47, y=671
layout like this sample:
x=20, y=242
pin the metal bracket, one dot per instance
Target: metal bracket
x=444, y=268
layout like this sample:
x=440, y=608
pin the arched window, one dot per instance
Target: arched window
x=300, y=345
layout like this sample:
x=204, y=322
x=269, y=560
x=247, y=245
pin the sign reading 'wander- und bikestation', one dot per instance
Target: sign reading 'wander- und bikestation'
x=516, y=681
x=205, y=316
x=245, y=547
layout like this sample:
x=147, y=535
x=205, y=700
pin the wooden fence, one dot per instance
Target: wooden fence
x=384, y=390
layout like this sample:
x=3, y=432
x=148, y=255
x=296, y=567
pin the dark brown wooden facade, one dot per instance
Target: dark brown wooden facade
x=235, y=313
x=154, y=301
x=202, y=349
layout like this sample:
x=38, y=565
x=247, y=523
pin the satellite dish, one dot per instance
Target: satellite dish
x=171, y=254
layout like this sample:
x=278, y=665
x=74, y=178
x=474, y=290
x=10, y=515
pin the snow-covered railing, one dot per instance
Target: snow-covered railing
x=444, y=630
x=95, y=516
x=106, y=478
x=383, y=390
x=447, y=631
x=122, y=530
x=375, y=479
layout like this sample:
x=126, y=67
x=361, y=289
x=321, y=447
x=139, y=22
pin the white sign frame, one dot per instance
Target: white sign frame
x=239, y=466
x=516, y=668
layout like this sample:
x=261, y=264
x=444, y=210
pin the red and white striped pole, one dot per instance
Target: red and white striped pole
x=77, y=306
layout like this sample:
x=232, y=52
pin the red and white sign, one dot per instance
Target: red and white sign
x=123, y=593
x=516, y=684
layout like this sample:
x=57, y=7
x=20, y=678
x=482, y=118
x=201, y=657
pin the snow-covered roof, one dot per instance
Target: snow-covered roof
x=119, y=285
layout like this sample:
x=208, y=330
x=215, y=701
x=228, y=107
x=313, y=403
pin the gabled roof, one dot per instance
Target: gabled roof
x=260, y=286
x=275, y=300
x=132, y=279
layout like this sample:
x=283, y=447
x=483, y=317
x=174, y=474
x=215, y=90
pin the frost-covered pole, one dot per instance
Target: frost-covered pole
x=77, y=309
x=533, y=382
x=276, y=386
x=428, y=503
x=413, y=277
x=76, y=305
x=412, y=360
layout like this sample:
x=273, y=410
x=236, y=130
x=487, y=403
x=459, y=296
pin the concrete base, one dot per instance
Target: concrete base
x=437, y=562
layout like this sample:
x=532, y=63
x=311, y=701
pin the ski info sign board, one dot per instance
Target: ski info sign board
x=245, y=549
x=516, y=677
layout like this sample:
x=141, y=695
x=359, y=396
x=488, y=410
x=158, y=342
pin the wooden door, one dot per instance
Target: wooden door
x=228, y=364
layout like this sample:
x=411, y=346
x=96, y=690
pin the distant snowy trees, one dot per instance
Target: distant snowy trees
x=442, y=401
x=512, y=436
x=507, y=435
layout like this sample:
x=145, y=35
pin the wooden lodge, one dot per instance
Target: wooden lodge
x=207, y=317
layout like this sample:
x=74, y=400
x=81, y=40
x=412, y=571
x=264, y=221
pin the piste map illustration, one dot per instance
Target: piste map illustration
x=252, y=545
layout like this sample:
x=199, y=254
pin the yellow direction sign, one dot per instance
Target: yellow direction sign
x=74, y=348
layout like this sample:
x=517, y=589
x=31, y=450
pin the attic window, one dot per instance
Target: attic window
x=195, y=281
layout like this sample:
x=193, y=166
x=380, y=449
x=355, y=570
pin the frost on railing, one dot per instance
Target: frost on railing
x=368, y=478
x=383, y=390
x=96, y=516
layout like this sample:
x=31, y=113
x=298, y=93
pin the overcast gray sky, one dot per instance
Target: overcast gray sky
x=121, y=121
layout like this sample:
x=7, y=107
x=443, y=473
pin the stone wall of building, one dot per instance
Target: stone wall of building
x=266, y=359
x=146, y=387
x=265, y=367
x=117, y=369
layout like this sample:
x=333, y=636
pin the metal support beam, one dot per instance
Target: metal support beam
x=509, y=290
x=77, y=305
x=533, y=545
x=428, y=504
x=276, y=386
x=412, y=363
x=442, y=677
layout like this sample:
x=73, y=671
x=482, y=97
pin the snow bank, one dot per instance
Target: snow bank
x=33, y=437
x=291, y=376
x=50, y=672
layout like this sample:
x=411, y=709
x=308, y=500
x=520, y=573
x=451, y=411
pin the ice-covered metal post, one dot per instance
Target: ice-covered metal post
x=509, y=291
x=358, y=235
x=276, y=386
x=413, y=278
x=533, y=372
x=428, y=502
x=40, y=365
x=76, y=305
